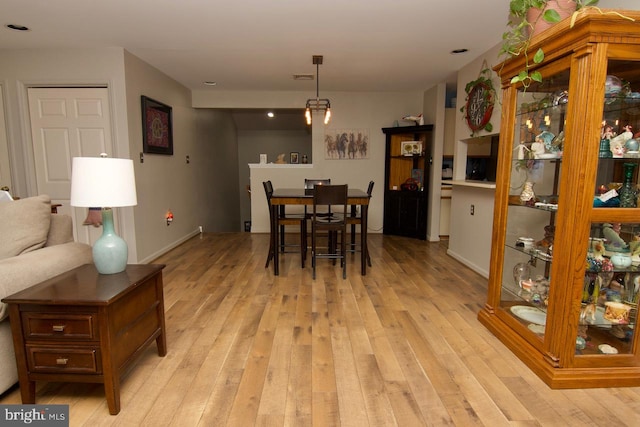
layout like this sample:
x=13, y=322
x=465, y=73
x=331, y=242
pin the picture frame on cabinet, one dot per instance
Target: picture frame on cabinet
x=411, y=148
x=294, y=158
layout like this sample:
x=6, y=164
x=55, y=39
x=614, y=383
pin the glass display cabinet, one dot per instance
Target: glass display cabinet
x=564, y=281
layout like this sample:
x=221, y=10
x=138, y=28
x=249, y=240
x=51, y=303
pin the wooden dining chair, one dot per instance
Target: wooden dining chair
x=281, y=220
x=332, y=198
x=309, y=185
x=356, y=219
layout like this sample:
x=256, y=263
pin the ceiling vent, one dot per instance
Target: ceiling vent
x=303, y=77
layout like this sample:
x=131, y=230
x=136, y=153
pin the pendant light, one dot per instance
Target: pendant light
x=318, y=104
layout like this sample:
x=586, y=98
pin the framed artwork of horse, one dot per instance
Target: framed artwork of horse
x=346, y=144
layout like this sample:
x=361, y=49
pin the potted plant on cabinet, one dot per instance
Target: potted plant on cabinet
x=526, y=19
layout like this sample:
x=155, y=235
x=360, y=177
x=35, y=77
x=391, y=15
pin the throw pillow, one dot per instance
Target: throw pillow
x=24, y=225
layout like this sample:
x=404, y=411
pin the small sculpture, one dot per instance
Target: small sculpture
x=419, y=120
x=607, y=132
x=537, y=148
x=280, y=159
x=614, y=241
x=617, y=143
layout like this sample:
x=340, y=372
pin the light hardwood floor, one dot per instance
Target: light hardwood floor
x=399, y=346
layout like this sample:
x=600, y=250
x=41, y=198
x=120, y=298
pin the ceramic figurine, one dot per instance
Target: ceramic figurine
x=523, y=152
x=588, y=313
x=607, y=132
x=527, y=192
x=419, y=120
x=612, y=236
x=621, y=139
x=546, y=138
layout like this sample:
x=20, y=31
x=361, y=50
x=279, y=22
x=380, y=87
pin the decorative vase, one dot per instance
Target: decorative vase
x=521, y=271
x=621, y=260
x=527, y=192
x=605, y=149
x=565, y=8
x=628, y=193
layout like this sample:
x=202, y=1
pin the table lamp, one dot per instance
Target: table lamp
x=106, y=183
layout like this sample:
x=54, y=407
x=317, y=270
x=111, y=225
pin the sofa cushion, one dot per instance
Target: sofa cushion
x=24, y=225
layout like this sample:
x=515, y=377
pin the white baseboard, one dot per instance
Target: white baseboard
x=167, y=248
x=484, y=273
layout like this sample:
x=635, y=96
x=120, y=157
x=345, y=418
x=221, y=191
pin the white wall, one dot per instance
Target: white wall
x=270, y=142
x=5, y=166
x=434, y=109
x=470, y=235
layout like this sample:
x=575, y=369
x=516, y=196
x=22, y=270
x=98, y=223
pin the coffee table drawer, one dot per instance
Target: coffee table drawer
x=59, y=326
x=79, y=360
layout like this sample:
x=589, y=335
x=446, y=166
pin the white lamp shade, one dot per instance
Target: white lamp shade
x=102, y=182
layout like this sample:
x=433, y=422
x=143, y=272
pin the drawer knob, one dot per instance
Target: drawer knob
x=62, y=361
x=58, y=328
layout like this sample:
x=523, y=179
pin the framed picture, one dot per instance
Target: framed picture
x=294, y=157
x=346, y=144
x=157, y=130
x=411, y=148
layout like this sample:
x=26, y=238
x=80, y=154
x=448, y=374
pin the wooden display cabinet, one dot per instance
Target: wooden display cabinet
x=407, y=157
x=552, y=301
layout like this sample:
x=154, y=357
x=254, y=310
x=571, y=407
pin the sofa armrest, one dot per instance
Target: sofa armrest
x=60, y=230
x=29, y=269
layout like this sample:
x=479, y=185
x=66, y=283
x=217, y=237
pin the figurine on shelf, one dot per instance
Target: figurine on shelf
x=418, y=120
x=523, y=152
x=547, y=138
x=614, y=242
x=547, y=241
x=607, y=132
x=616, y=143
x=537, y=148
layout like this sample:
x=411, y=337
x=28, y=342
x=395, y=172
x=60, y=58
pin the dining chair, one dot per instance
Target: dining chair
x=281, y=220
x=309, y=185
x=356, y=219
x=329, y=197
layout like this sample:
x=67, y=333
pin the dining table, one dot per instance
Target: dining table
x=299, y=196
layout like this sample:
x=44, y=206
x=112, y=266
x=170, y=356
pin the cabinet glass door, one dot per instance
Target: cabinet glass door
x=533, y=200
x=610, y=294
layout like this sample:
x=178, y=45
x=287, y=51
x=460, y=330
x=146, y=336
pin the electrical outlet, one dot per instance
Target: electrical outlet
x=472, y=210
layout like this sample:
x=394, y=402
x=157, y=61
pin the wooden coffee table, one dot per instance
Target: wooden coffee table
x=82, y=326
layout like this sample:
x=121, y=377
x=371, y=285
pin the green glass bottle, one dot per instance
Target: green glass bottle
x=628, y=193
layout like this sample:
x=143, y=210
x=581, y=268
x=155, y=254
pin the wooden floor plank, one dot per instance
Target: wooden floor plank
x=399, y=346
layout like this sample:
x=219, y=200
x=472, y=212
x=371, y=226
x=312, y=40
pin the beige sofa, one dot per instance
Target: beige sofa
x=35, y=245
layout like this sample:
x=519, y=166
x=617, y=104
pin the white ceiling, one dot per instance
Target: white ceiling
x=368, y=45
x=258, y=45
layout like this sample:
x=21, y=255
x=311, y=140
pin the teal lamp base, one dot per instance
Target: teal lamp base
x=110, y=251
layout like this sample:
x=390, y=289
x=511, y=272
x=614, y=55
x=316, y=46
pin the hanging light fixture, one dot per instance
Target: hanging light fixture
x=318, y=104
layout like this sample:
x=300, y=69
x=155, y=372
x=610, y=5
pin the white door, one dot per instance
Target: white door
x=5, y=172
x=67, y=123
